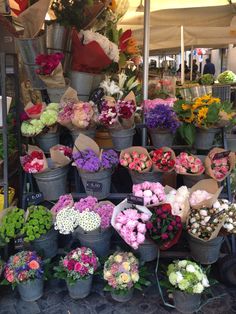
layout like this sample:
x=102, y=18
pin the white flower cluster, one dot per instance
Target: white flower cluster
x=67, y=220
x=111, y=88
x=89, y=221
x=178, y=199
x=110, y=49
x=187, y=276
x=230, y=213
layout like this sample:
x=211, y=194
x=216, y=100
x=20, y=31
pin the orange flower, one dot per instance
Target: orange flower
x=112, y=5
x=34, y=265
x=132, y=47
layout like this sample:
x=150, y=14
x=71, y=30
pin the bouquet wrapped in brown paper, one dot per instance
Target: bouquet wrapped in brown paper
x=188, y=164
x=163, y=159
x=219, y=163
x=136, y=158
x=61, y=155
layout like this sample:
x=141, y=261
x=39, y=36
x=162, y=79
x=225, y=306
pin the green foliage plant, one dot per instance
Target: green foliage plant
x=11, y=224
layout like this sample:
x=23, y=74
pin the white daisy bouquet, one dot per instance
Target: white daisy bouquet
x=187, y=276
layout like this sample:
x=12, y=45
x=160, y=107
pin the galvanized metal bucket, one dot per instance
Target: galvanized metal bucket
x=146, y=176
x=52, y=183
x=58, y=39
x=185, y=302
x=205, y=252
x=31, y=291
x=122, y=297
x=84, y=83
x=122, y=139
x=80, y=289
x=147, y=251
x=161, y=138
x=205, y=138
x=231, y=142
x=99, y=242
x=90, y=133
x=55, y=94
x=103, y=178
x=47, y=140
x=47, y=244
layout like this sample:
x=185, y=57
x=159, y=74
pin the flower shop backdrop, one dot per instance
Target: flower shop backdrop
x=89, y=186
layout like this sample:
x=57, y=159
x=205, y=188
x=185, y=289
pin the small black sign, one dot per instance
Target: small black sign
x=137, y=200
x=216, y=215
x=94, y=186
x=19, y=243
x=221, y=155
x=34, y=199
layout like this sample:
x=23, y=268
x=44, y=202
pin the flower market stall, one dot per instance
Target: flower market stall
x=159, y=188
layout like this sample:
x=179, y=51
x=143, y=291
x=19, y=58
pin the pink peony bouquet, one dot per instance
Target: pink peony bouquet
x=130, y=224
x=152, y=192
x=188, y=164
x=78, y=264
x=135, y=161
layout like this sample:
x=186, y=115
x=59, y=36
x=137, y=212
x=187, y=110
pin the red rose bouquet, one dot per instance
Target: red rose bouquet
x=164, y=227
x=163, y=159
x=22, y=267
x=33, y=162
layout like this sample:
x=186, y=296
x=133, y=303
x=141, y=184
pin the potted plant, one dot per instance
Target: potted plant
x=24, y=270
x=38, y=230
x=188, y=281
x=121, y=271
x=77, y=269
x=162, y=122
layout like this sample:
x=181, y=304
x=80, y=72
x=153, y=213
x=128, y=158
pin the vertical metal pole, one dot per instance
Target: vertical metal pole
x=4, y=128
x=191, y=66
x=182, y=55
x=146, y=60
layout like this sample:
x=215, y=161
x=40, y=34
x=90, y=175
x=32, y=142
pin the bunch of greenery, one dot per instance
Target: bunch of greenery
x=12, y=224
x=71, y=13
x=38, y=222
x=207, y=79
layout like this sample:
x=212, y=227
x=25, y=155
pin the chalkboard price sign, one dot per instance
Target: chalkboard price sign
x=136, y=200
x=34, y=198
x=94, y=186
x=19, y=243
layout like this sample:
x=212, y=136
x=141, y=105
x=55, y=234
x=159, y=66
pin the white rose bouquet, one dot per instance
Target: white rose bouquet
x=187, y=276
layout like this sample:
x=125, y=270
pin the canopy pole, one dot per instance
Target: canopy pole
x=191, y=60
x=146, y=40
x=182, y=55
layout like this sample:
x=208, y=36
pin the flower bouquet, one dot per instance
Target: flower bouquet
x=187, y=164
x=66, y=217
x=151, y=192
x=77, y=269
x=25, y=271
x=121, y=271
x=136, y=158
x=164, y=227
x=153, y=103
x=188, y=281
x=163, y=159
x=50, y=70
x=162, y=123
x=130, y=223
x=223, y=206
x=64, y=201
x=33, y=162
x=94, y=165
x=33, y=111
x=219, y=163
x=61, y=155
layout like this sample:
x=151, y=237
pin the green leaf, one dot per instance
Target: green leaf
x=187, y=131
x=138, y=286
x=107, y=288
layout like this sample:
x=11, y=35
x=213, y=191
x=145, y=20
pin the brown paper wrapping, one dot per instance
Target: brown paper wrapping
x=70, y=95
x=211, y=187
x=214, y=151
x=193, y=174
x=58, y=158
x=55, y=79
x=165, y=149
x=34, y=116
x=32, y=18
x=139, y=150
x=32, y=148
x=84, y=142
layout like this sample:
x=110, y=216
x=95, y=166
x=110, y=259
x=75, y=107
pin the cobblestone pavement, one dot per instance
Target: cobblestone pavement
x=57, y=301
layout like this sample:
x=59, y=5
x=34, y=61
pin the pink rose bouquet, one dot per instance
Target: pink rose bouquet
x=78, y=264
x=130, y=224
x=33, y=162
x=136, y=160
x=219, y=163
x=188, y=164
x=152, y=192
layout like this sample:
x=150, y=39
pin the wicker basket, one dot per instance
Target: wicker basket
x=11, y=194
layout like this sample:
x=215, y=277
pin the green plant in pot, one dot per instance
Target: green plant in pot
x=11, y=224
x=38, y=230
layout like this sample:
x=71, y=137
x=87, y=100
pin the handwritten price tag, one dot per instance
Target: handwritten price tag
x=19, y=243
x=137, y=200
x=34, y=199
x=94, y=186
x=221, y=155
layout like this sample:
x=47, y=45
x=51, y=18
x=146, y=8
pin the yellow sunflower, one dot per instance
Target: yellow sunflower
x=202, y=113
x=186, y=106
x=190, y=119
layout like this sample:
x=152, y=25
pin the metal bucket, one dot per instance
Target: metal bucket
x=103, y=178
x=122, y=139
x=161, y=138
x=231, y=142
x=205, y=138
x=80, y=289
x=146, y=176
x=47, y=244
x=52, y=183
x=58, y=39
x=205, y=252
x=122, y=297
x=147, y=251
x=31, y=291
x=47, y=140
x=84, y=83
x=90, y=133
x=98, y=242
x=55, y=94
x=185, y=302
